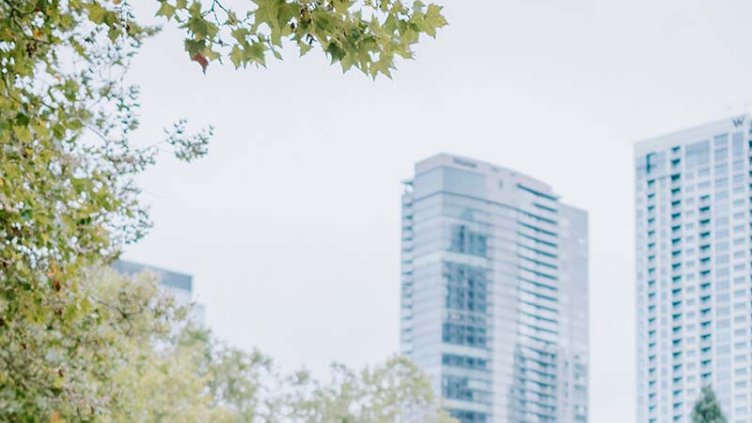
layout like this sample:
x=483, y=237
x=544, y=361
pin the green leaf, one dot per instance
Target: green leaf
x=113, y=34
x=167, y=10
x=211, y=54
x=410, y=36
x=22, y=119
x=23, y=133
x=336, y=52
x=434, y=19
x=202, y=28
x=304, y=48
x=237, y=56
x=240, y=35
x=96, y=13
x=194, y=46
x=257, y=53
x=342, y=6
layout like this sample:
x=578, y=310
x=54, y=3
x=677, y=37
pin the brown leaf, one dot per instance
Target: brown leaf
x=201, y=59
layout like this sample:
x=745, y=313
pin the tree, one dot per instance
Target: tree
x=707, y=409
x=146, y=362
x=394, y=392
x=71, y=369
x=68, y=199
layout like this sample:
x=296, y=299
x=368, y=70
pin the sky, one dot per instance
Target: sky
x=291, y=224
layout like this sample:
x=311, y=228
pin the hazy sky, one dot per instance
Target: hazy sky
x=291, y=224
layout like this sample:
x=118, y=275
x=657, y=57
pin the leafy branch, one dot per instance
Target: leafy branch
x=367, y=35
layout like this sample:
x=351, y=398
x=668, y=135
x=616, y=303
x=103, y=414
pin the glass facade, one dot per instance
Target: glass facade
x=494, y=293
x=693, y=274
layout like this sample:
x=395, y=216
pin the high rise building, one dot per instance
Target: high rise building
x=495, y=292
x=179, y=285
x=693, y=271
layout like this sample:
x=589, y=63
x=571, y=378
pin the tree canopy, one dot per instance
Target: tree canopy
x=707, y=409
x=147, y=362
x=68, y=199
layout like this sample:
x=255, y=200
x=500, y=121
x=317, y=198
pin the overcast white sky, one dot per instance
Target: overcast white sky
x=291, y=224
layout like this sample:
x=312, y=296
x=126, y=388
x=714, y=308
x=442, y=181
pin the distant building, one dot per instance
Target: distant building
x=179, y=285
x=693, y=271
x=495, y=292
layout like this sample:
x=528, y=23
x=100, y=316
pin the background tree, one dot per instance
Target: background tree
x=707, y=409
x=146, y=362
x=67, y=165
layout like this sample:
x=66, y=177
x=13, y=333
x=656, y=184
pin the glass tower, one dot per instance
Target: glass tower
x=692, y=271
x=495, y=292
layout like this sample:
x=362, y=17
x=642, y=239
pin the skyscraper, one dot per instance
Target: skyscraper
x=693, y=273
x=495, y=292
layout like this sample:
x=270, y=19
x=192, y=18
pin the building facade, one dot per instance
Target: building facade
x=495, y=292
x=693, y=272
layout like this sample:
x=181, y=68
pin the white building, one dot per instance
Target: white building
x=495, y=292
x=693, y=273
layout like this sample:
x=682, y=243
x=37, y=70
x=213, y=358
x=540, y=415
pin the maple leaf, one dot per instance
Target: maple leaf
x=202, y=60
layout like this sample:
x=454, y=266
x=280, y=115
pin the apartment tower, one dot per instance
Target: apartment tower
x=495, y=292
x=693, y=271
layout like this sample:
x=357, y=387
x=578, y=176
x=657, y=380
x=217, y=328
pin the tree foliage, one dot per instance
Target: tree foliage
x=72, y=369
x=67, y=196
x=67, y=165
x=707, y=409
x=146, y=362
x=367, y=35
